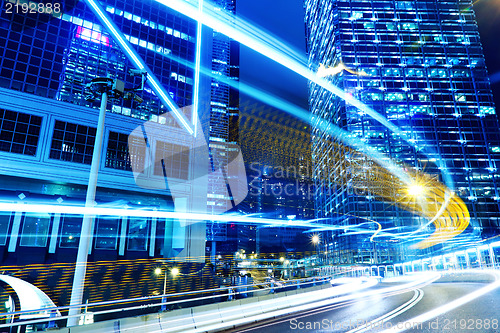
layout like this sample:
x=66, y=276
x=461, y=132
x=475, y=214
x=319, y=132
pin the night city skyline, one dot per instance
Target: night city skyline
x=236, y=165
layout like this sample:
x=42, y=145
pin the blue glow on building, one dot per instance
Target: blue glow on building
x=425, y=73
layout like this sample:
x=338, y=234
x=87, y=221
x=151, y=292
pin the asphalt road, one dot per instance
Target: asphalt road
x=382, y=312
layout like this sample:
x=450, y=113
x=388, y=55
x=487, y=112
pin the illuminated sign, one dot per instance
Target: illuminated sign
x=91, y=35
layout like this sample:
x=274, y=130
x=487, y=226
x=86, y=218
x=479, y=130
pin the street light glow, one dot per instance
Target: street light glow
x=315, y=239
x=158, y=271
x=175, y=271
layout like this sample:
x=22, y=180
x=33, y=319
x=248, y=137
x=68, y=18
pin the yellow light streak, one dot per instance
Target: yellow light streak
x=288, y=144
x=425, y=196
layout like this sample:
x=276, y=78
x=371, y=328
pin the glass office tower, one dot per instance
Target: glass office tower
x=48, y=126
x=224, y=112
x=56, y=55
x=420, y=65
x=50, y=58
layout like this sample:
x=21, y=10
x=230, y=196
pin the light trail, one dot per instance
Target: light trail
x=419, y=282
x=436, y=202
x=376, y=232
x=417, y=297
x=278, y=51
x=304, y=115
x=139, y=63
x=324, y=71
x=328, y=308
x=444, y=231
x=271, y=47
x=99, y=211
x=494, y=78
x=453, y=304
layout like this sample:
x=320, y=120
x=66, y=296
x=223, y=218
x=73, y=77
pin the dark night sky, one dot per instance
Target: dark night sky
x=285, y=19
x=488, y=17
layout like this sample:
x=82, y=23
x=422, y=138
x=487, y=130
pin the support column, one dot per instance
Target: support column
x=55, y=233
x=14, y=235
x=492, y=256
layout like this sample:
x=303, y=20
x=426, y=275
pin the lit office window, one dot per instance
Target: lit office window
x=106, y=233
x=35, y=230
x=70, y=231
x=119, y=154
x=72, y=142
x=137, y=234
x=19, y=132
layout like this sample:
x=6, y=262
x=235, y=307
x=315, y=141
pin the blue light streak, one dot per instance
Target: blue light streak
x=139, y=64
x=305, y=116
x=195, y=217
x=271, y=47
x=333, y=130
x=197, y=65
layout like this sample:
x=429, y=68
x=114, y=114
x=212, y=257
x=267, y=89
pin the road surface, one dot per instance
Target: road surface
x=396, y=312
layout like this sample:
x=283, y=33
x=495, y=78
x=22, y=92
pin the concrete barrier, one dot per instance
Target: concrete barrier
x=466, y=277
x=180, y=320
x=230, y=310
x=100, y=327
x=147, y=323
x=205, y=317
x=206, y=314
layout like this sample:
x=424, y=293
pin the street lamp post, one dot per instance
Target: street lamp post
x=164, y=298
x=99, y=86
x=174, y=271
x=102, y=87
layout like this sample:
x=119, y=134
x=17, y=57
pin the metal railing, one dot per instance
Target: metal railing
x=150, y=304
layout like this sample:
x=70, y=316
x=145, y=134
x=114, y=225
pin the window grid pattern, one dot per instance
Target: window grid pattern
x=72, y=142
x=19, y=132
x=120, y=155
x=422, y=67
x=55, y=58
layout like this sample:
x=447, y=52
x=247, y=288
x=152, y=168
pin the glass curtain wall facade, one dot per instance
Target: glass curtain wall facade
x=47, y=60
x=56, y=55
x=419, y=64
x=224, y=102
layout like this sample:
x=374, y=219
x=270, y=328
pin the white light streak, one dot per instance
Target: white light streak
x=197, y=66
x=453, y=304
x=272, y=48
x=100, y=211
x=139, y=64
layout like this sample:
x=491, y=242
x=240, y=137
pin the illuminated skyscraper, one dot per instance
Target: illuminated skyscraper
x=223, y=121
x=46, y=60
x=421, y=66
